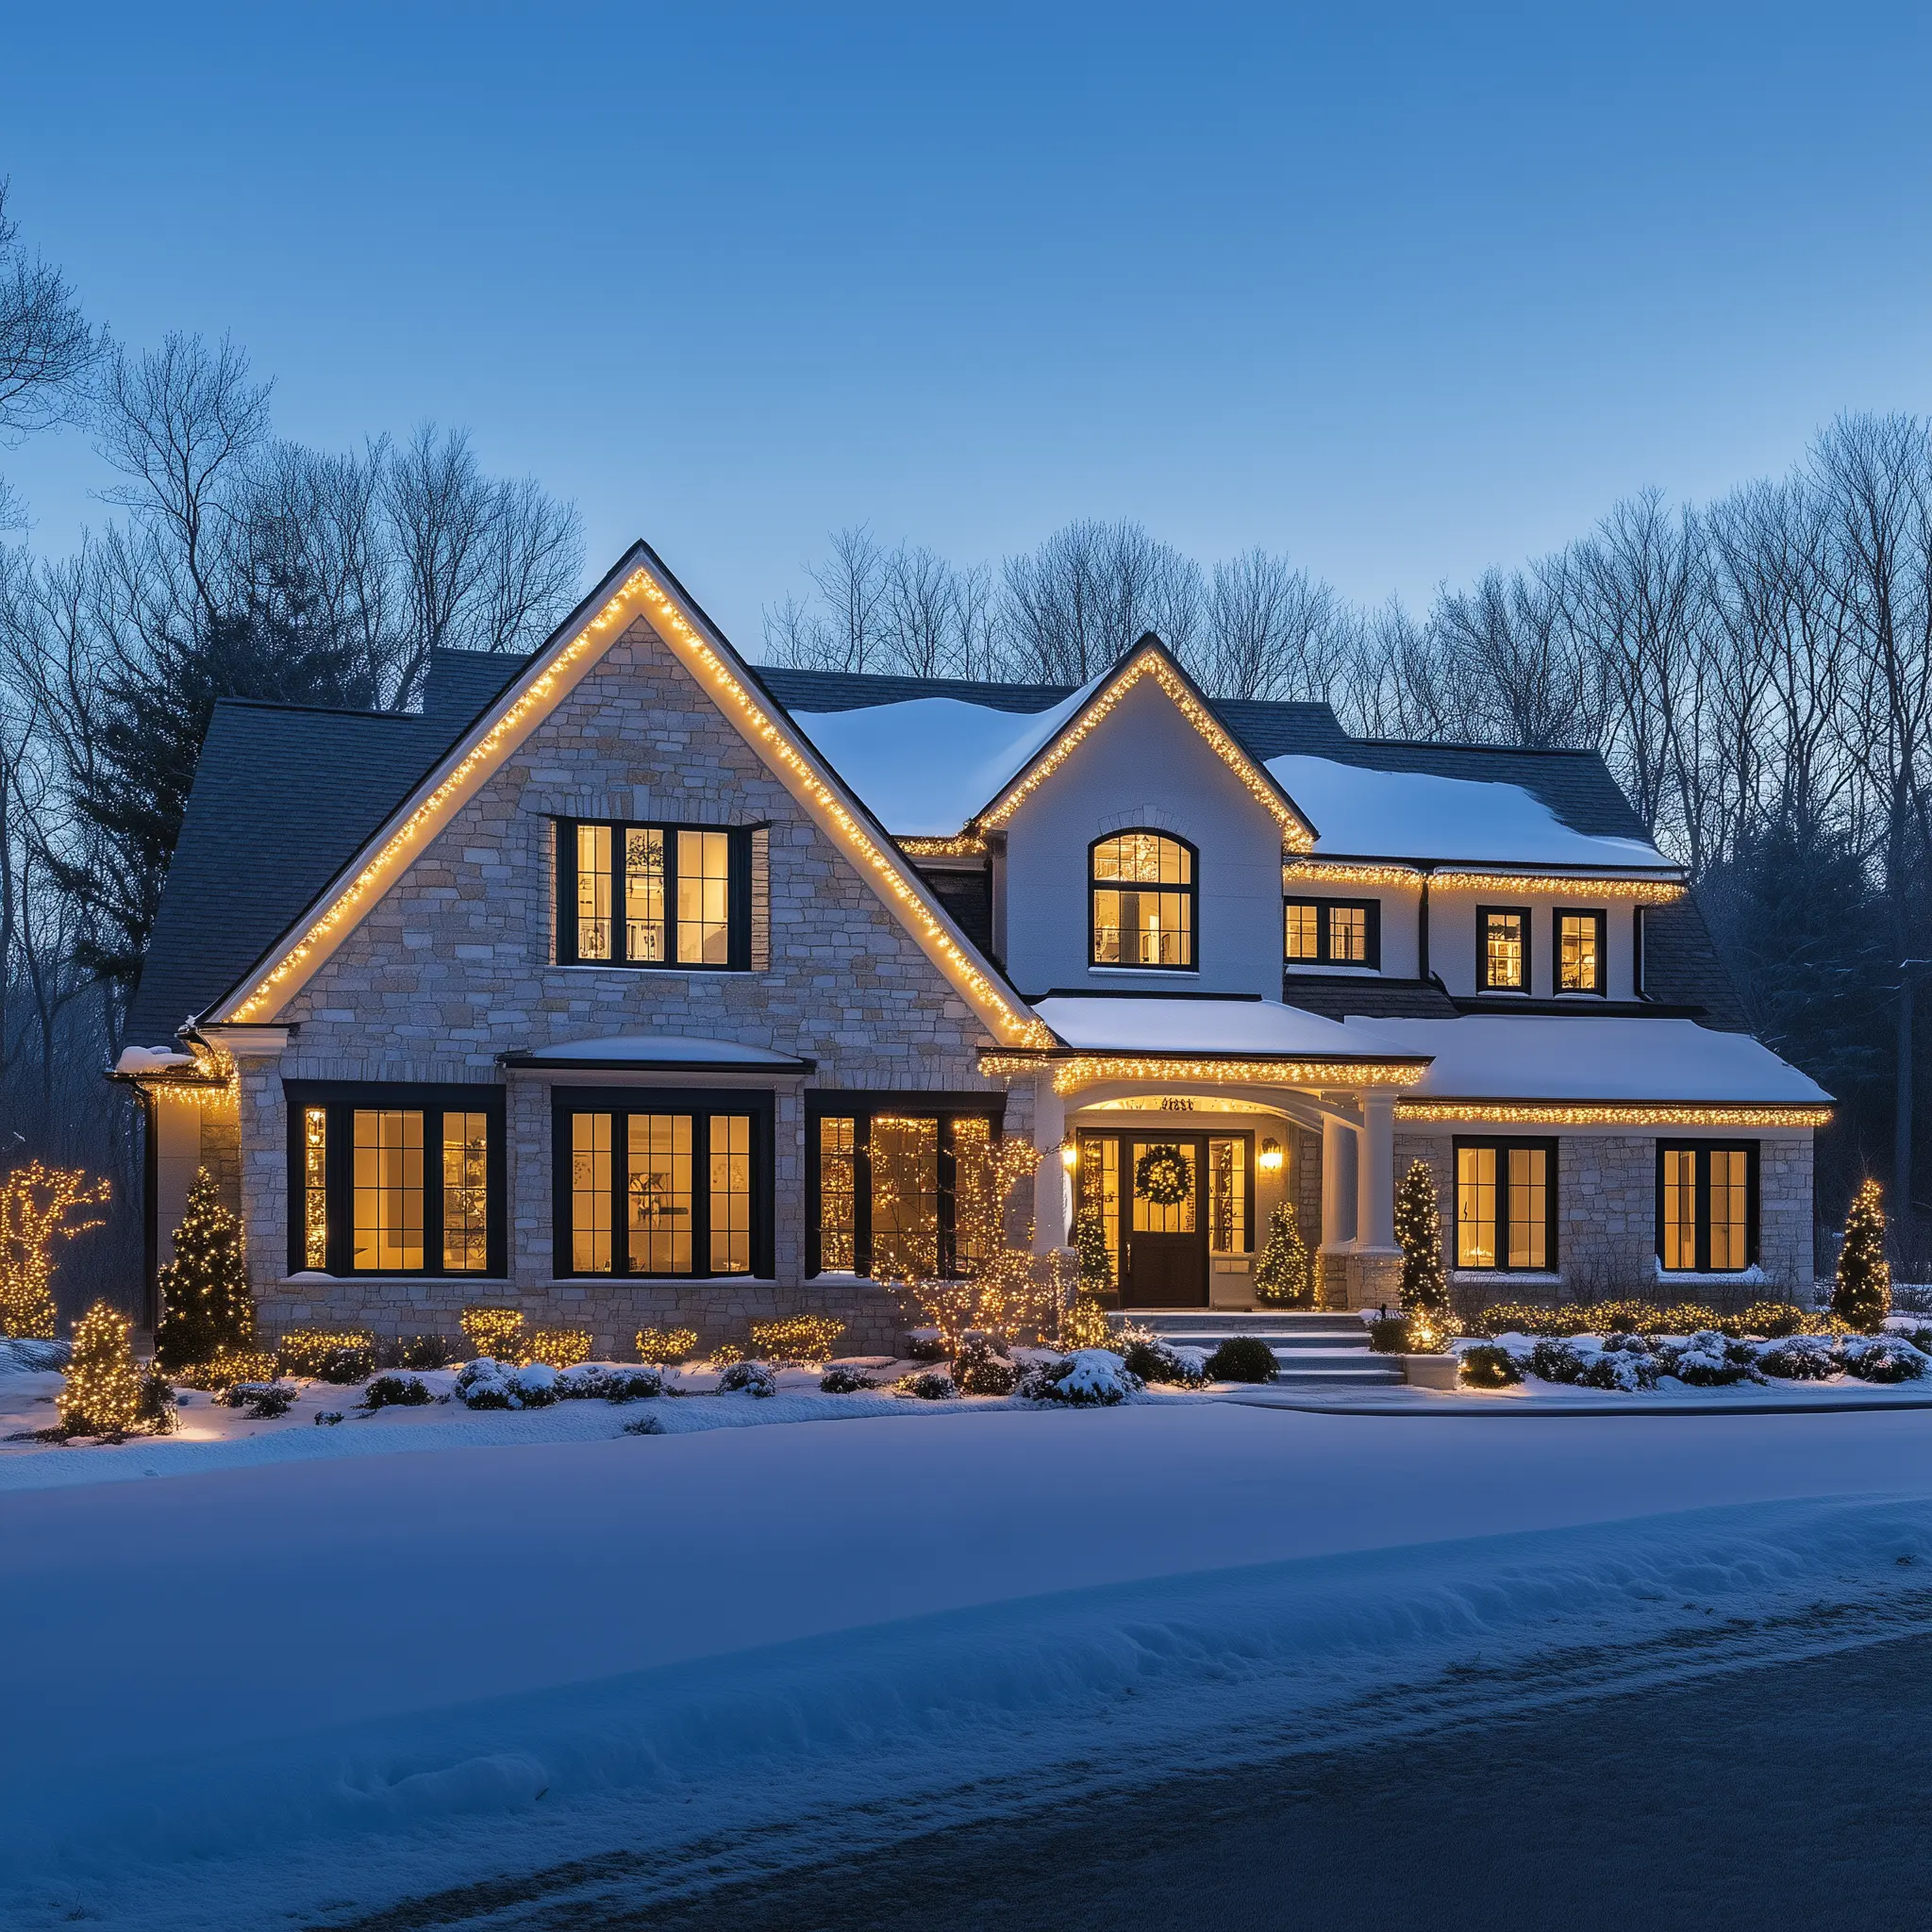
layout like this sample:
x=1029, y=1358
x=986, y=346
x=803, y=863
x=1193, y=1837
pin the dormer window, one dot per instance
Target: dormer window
x=1141, y=886
x=1333, y=932
x=653, y=895
x=1502, y=948
x=1580, y=952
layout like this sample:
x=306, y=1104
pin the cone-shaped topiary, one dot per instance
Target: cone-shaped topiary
x=101, y=1395
x=206, y=1306
x=1089, y=1243
x=1861, y=1293
x=1283, y=1277
x=1418, y=1229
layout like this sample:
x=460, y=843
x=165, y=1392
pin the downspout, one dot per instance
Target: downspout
x=1422, y=929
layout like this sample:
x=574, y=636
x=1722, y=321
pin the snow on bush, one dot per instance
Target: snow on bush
x=1708, y=1359
x=841, y=1380
x=747, y=1378
x=397, y=1389
x=1799, y=1359
x=928, y=1385
x=608, y=1382
x=487, y=1383
x=982, y=1367
x=261, y=1401
x=1882, y=1358
x=1487, y=1365
x=1088, y=1378
x=21, y=1356
x=1154, y=1360
x=537, y=1385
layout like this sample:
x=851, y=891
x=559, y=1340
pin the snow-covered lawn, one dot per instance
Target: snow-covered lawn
x=297, y=1689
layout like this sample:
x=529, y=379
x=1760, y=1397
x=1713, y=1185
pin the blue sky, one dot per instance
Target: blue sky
x=1400, y=291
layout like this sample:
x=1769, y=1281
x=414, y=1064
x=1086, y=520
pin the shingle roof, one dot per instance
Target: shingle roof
x=284, y=795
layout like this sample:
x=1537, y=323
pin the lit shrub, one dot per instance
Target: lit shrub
x=1772, y=1320
x=227, y=1367
x=980, y=1368
x=662, y=1347
x=726, y=1354
x=746, y=1378
x=796, y=1338
x=925, y=1345
x=928, y=1385
x=1483, y=1365
x=328, y=1355
x=497, y=1333
x=1084, y=1325
x=562, y=1348
x=396, y=1390
x=1241, y=1359
x=840, y=1380
x=102, y=1395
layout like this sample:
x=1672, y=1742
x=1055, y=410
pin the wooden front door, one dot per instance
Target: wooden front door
x=1165, y=1265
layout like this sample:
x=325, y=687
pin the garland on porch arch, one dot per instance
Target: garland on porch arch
x=1164, y=1175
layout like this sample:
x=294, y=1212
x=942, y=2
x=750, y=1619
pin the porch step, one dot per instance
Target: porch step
x=1311, y=1350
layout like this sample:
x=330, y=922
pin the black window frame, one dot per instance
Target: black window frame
x=1504, y=1145
x=1191, y=889
x=1482, y=915
x=701, y=1103
x=738, y=911
x=1324, y=954
x=1701, y=1191
x=342, y=1100
x=1601, y=916
x=859, y=1106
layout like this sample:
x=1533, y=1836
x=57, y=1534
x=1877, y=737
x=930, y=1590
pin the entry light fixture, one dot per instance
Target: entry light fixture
x=1069, y=1154
x=1269, y=1160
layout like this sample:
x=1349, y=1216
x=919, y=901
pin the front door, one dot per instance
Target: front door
x=1166, y=1259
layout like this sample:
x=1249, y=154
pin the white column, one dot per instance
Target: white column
x=1338, y=1185
x=1052, y=1185
x=1375, y=1180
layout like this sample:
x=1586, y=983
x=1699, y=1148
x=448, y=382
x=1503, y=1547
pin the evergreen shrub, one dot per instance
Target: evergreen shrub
x=662, y=1347
x=841, y=1380
x=396, y=1390
x=747, y=1378
x=982, y=1369
x=328, y=1355
x=1389, y=1335
x=1486, y=1366
x=207, y=1307
x=928, y=1385
x=1241, y=1359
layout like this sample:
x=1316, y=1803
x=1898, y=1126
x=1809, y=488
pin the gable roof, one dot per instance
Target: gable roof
x=639, y=586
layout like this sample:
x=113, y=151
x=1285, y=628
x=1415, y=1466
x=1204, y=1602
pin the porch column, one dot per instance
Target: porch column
x=1052, y=1184
x=1375, y=1214
x=1338, y=1185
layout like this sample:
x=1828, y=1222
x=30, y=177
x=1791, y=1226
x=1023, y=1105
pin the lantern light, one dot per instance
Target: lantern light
x=1269, y=1160
x=1069, y=1156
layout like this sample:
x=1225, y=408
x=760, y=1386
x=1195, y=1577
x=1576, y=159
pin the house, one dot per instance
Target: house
x=638, y=986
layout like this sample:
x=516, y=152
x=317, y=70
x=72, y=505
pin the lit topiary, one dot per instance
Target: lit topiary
x=1425, y=1286
x=662, y=1347
x=102, y=1393
x=1083, y=1324
x=1861, y=1292
x=206, y=1310
x=562, y=1348
x=1283, y=1277
x=497, y=1333
x=795, y=1339
x=35, y=1202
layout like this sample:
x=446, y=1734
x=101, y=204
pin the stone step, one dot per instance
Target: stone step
x=1377, y=1377
x=1269, y=1321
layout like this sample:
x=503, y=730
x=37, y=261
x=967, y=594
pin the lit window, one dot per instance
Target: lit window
x=685, y=893
x=1304, y=930
x=1505, y=1203
x=1348, y=933
x=1580, y=951
x=837, y=1193
x=730, y=1193
x=1502, y=961
x=1707, y=1208
x=1100, y=1191
x=901, y=1194
x=657, y=1190
x=590, y=1182
x=1227, y=1195
x=905, y=1198
x=465, y=1192
x=388, y=1188
x=315, y=1187
x=1143, y=894
x=1334, y=932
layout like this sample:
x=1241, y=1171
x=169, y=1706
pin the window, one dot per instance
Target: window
x=396, y=1179
x=653, y=895
x=655, y=1183
x=1580, y=953
x=1707, y=1208
x=1334, y=932
x=1505, y=1203
x=1502, y=942
x=1141, y=886
x=899, y=1182
x=1227, y=1195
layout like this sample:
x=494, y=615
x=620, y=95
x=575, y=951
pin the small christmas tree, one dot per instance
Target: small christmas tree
x=1089, y=1242
x=102, y=1393
x=1425, y=1286
x=1861, y=1293
x=206, y=1306
x=1283, y=1277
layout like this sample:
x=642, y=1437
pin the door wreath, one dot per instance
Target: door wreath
x=1164, y=1175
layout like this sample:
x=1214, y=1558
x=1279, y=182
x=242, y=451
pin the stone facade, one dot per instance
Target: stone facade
x=454, y=966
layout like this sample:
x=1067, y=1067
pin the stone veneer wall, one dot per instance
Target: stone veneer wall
x=453, y=966
x=1607, y=1216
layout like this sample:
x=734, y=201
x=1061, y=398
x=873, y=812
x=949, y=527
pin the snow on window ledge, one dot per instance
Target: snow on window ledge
x=1506, y=1277
x=1145, y=971
x=1753, y=1277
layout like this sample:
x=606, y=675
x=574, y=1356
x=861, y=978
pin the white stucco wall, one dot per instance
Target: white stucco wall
x=1453, y=939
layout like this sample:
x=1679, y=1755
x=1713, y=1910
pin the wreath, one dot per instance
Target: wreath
x=1164, y=1175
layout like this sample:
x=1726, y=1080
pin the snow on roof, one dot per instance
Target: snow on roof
x=1560, y=1056
x=926, y=766
x=1240, y=1028
x=1362, y=812
x=150, y=1059
x=661, y=1049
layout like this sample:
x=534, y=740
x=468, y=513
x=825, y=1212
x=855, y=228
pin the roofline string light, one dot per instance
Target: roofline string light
x=1558, y=1113
x=1318, y=871
x=213, y=1083
x=963, y=846
x=424, y=821
x=1295, y=833
x=1084, y=1070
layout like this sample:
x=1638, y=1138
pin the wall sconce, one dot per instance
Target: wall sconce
x=1269, y=1160
x=1069, y=1154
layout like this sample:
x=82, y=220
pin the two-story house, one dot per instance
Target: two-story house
x=635, y=985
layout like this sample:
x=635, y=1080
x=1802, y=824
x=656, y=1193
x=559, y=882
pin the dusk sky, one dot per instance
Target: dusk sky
x=1398, y=292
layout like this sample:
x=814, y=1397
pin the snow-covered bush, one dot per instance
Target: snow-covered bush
x=1624, y=1363
x=487, y=1383
x=396, y=1390
x=1882, y=1358
x=747, y=1378
x=928, y=1385
x=599, y=1381
x=1484, y=1365
x=261, y=1401
x=1708, y=1359
x=1551, y=1360
x=1154, y=1361
x=1088, y=1378
x=1918, y=1334
x=1799, y=1359
x=981, y=1368
x=644, y=1425
x=841, y=1380
x=536, y=1382
x=1241, y=1359
x=328, y=1355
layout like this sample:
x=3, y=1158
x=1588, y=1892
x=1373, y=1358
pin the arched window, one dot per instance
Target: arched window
x=1141, y=886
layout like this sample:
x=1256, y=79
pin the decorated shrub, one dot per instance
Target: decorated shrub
x=228, y=1366
x=1389, y=1335
x=418, y=1352
x=561, y=1348
x=496, y=1333
x=1090, y=1244
x=1284, y=1277
x=102, y=1395
x=1241, y=1359
x=1084, y=1325
x=982, y=1368
x=747, y=1378
x=1862, y=1291
x=1418, y=1234
x=328, y=1355
x=205, y=1305
x=796, y=1340
x=662, y=1347
x=1483, y=1365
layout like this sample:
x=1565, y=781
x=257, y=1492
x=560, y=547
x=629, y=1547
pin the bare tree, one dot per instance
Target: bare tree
x=1272, y=630
x=1089, y=593
x=47, y=350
